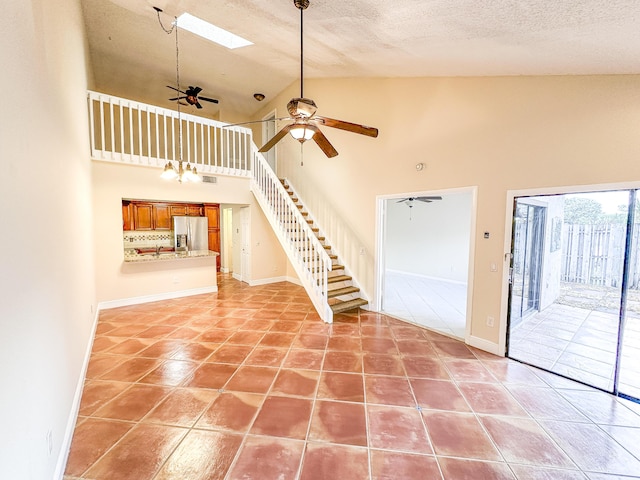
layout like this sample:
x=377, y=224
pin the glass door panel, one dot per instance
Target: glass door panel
x=569, y=312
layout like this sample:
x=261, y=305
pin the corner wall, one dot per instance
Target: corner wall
x=47, y=297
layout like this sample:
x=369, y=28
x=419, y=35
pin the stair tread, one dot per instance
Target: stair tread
x=342, y=291
x=348, y=305
x=339, y=278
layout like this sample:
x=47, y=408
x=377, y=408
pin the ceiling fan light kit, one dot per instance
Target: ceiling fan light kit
x=303, y=112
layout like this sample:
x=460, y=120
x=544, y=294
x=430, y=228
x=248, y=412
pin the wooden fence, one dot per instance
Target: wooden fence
x=594, y=255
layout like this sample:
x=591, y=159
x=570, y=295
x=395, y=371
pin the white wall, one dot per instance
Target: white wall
x=47, y=296
x=430, y=239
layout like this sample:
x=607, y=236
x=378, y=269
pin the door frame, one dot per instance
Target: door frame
x=380, y=244
x=532, y=192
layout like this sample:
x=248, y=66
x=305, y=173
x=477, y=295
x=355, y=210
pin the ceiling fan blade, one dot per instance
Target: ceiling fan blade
x=276, y=138
x=428, y=199
x=403, y=200
x=196, y=90
x=177, y=98
x=348, y=126
x=174, y=88
x=197, y=104
x=212, y=100
x=324, y=143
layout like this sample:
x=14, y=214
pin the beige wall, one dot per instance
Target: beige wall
x=47, y=298
x=118, y=283
x=498, y=134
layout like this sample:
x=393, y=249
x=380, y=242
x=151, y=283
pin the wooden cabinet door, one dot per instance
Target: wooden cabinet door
x=127, y=216
x=214, y=244
x=178, y=209
x=162, y=216
x=212, y=212
x=194, y=210
x=143, y=216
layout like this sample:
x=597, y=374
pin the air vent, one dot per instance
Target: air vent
x=206, y=179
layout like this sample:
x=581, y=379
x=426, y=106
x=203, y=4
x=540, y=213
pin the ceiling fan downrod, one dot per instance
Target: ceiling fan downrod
x=302, y=6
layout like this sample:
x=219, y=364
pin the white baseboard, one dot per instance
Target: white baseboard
x=75, y=406
x=426, y=277
x=124, y=302
x=485, y=345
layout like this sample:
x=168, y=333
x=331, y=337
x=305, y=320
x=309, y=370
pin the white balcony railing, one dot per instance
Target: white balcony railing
x=125, y=131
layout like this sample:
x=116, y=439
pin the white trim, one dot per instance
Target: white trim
x=65, y=448
x=485, y=345
x=124, y=302
x=237, y=276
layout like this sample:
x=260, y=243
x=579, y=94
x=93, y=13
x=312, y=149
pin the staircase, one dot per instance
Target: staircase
x=342, y=295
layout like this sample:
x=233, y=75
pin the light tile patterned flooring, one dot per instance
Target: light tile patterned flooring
x=436, y=304
x=580, y=344
x=248, y=383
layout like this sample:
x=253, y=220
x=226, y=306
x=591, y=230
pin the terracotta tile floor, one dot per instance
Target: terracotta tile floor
x=248, y=383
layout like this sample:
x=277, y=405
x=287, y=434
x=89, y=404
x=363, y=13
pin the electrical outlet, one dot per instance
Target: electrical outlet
x=362, y=251
x=490, y=321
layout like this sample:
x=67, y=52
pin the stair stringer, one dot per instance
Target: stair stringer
x=321, y=232
x=292, y=231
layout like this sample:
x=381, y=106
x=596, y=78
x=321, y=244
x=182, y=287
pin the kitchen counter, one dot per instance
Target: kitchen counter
x=133, y=257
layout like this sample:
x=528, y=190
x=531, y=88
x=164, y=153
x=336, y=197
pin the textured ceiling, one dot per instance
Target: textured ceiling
x=132, y=57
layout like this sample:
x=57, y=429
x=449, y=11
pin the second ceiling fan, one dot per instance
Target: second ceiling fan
x=302, y=111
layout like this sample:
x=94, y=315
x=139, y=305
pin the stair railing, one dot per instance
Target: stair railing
x=307, y=255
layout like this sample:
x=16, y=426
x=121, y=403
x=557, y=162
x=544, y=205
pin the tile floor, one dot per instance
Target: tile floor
x=436, y=304
x=580, y=344
x=248, y=383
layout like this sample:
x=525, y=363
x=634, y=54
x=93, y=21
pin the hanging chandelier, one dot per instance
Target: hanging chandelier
x=184, y=173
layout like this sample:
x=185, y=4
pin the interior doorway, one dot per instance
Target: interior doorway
x=424, y=258
x=574, y=296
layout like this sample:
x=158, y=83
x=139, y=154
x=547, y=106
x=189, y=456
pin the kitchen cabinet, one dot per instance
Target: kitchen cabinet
x=192, y=210
x=142, y=216
x=148, y=215
x=127, y=216
x=162, y=216
x=212, y=212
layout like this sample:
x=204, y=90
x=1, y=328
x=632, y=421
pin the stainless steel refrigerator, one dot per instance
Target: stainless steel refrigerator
x=190, y=233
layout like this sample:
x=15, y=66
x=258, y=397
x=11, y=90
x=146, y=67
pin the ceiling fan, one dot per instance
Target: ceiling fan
x=191, y=96
x=409, y=200
x=302, y=111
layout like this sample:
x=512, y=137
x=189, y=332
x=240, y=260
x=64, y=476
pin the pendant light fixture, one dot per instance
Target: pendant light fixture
x=182, y=173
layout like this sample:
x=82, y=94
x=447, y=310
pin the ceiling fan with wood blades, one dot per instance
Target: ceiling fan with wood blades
x=302, y=111
x=191, y=96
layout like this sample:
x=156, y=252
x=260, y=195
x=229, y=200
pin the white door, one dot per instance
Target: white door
x=245, y=236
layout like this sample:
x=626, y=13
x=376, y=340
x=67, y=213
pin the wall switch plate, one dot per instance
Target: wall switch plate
x=490, y=321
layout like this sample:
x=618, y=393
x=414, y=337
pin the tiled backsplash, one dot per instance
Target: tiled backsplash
x=144, y=239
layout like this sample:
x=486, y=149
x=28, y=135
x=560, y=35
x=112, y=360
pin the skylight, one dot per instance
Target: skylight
x=206, y=30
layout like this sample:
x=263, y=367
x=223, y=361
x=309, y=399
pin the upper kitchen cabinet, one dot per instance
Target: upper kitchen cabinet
x=150, y=215
x=162, y=216
x=142, y=216
x=127, y=215
x=212, y=212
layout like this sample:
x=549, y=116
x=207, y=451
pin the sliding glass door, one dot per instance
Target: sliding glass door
x=574, y=293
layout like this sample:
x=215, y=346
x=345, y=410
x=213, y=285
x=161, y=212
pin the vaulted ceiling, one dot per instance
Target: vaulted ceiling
x=131, y=55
